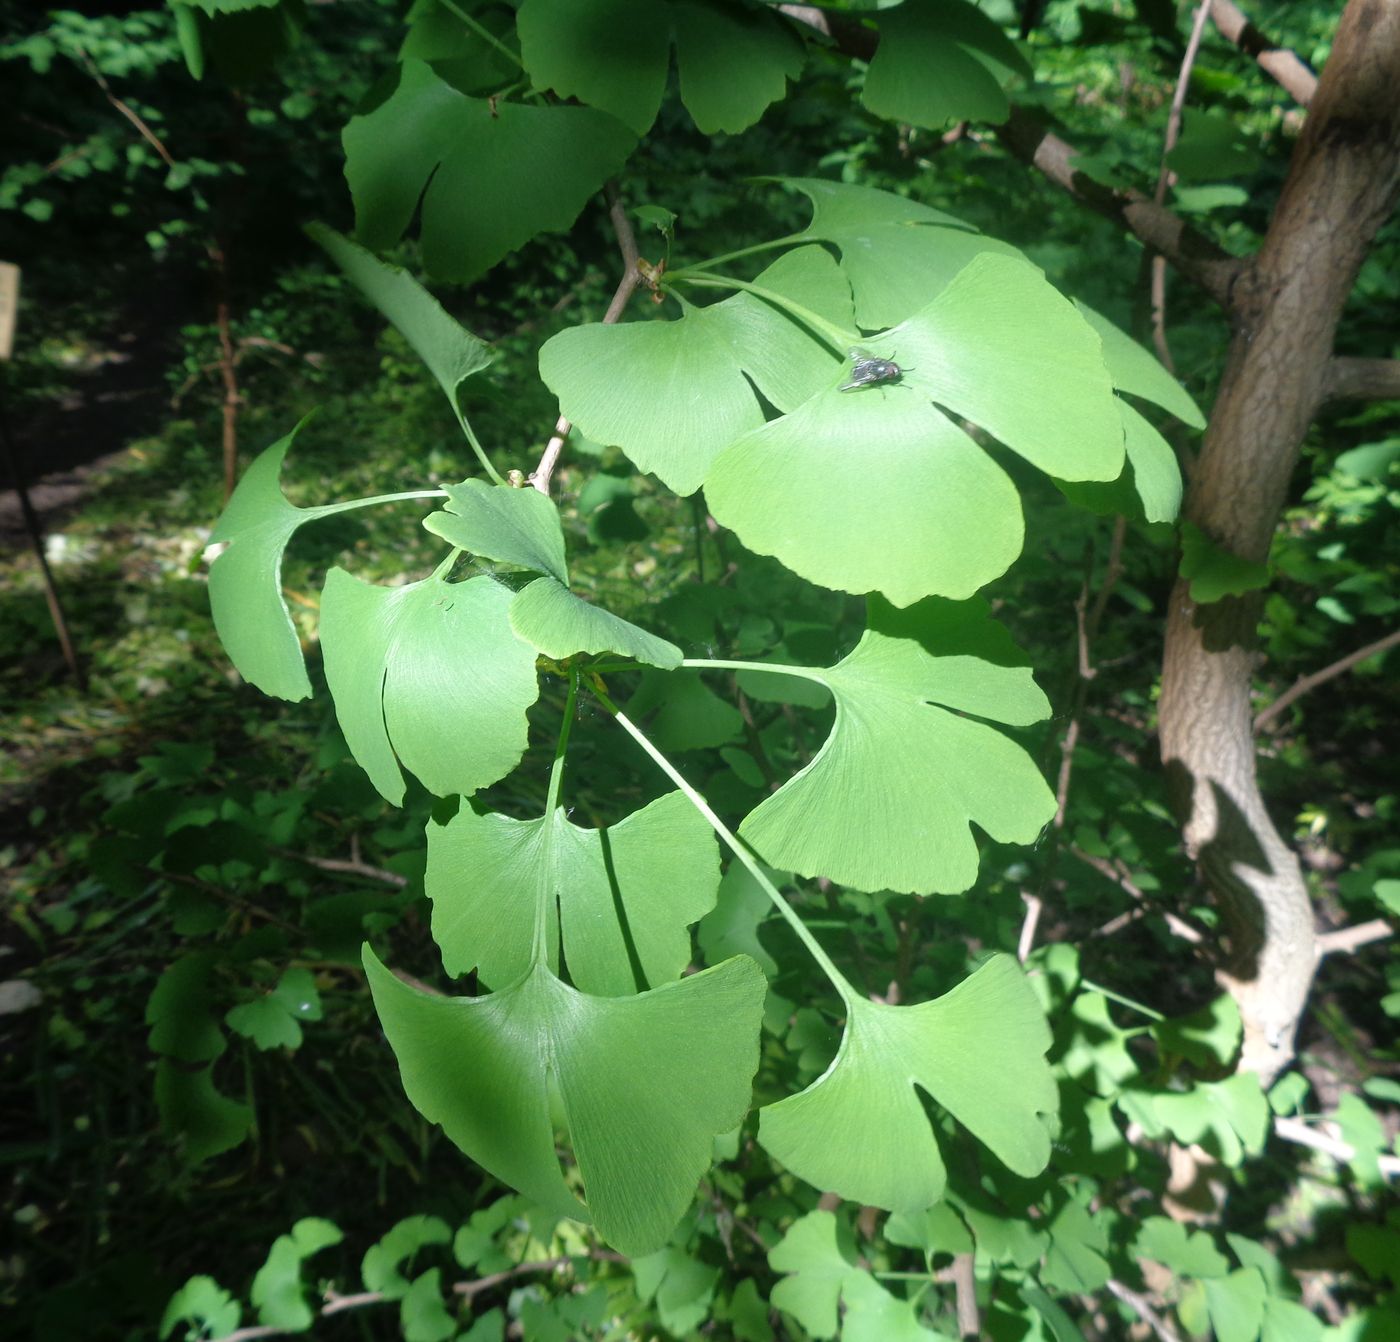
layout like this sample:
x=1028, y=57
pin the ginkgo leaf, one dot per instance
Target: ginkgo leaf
x=430, y=675
x=860, y=1129
x=1002, y=347
x=821, y=1260
x=277, y=1291
x=611, y=54
x=887, y=802
x=245, y=581
x=897, y=254
x=875, y=491
x=450, y=351
x=645, y=1084
x=551, y=618
x=940, y=61
x=734, y=62
x=638, y=884
x=427, y=139
x=512, y=526
x=673, y=394
x=615, y=55
x=1136, y=370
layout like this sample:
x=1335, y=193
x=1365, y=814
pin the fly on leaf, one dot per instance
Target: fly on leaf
x=868, y=371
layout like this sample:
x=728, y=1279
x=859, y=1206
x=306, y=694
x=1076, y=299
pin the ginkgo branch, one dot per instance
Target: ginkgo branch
x=1281, y=64
x=631, y=278
x=1303, y=684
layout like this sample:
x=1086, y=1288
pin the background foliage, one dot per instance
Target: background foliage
x=199, y=1103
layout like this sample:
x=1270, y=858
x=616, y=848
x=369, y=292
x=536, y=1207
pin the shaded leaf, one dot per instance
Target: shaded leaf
x=551, y=618
x=422, y=1314
x=860, y=1129
x=431, y=675
x=277, y=1291
x=681, y=1287
x=427, y=139
x=1189, y=1253
x=1215, y=573
x=731, y=927
x=1236, y=1305
x=645, y=1083
x=450, y=351
x=204, y=1122
x=638, y=884
x=381, y=1263
x=203, y=1304
x=1207, y=1037
x=1075, y=1263
x=940, y=61
x=888, y=800
x=822, y=1260
x=734, y=62
x=680, y=712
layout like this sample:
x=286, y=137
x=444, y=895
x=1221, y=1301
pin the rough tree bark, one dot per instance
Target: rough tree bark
x=1285, y=304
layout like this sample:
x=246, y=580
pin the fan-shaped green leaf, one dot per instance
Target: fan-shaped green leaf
x=1003, y=348
x=245, y=581
x=542, y=164
x=821, y=1261
x=610, y=54
x=734, y=62
x=615, y=55
x=381, y=1264
x=888, y=800
x=1150, y=485
x=451, y=352
x=632, y=888
x=870, y=491
x=512, y=526
x=1214, y=572
x=673, y=394
x=874, y=1314
x=896, y=253
x=551, y=618
x=645, y=1084
x=940, y=61
x=277, y=1290
x=681, y=712
x=1136, y=370
x=731, y=927
x=431, y=675
x=860, y=1130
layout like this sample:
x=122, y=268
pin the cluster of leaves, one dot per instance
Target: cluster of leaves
x=581, y=958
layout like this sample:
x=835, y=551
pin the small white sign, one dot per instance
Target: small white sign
x=9, y=306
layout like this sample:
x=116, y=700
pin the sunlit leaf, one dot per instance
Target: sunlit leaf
x=245, y=581
x=897, y=253
x=551, y=618
x=673, y=394
x=1136, y=370
x=427, y=139
x=873, y=491
x=645, y=1083
x=520, y=527
x=888, y=800
x=860, y=1129
x=430, y=675
x=639, y=883
x=204, y=1304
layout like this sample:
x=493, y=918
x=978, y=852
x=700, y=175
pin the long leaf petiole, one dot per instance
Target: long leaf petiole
x=731, y=841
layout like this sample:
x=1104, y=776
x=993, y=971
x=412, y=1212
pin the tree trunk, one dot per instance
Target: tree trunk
x=1340, y=187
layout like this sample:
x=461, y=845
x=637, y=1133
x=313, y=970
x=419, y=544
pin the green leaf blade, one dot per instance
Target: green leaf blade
x=429, y=674
x=520, y=527
x=646, y=1084
x=552, y=619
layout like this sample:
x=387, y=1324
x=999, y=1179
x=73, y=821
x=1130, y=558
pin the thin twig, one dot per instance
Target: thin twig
x=1347, y=939
x=351, y=866
x=631, y=277
x=1086, y=620
x=1279, y=63
x=965, y=1297
x=1296, y=1131
x=146, y=133
x=1166, y=178
x=1105, y=868
x=1138, y=1304
x=1362, y=380
x=1303, y=684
